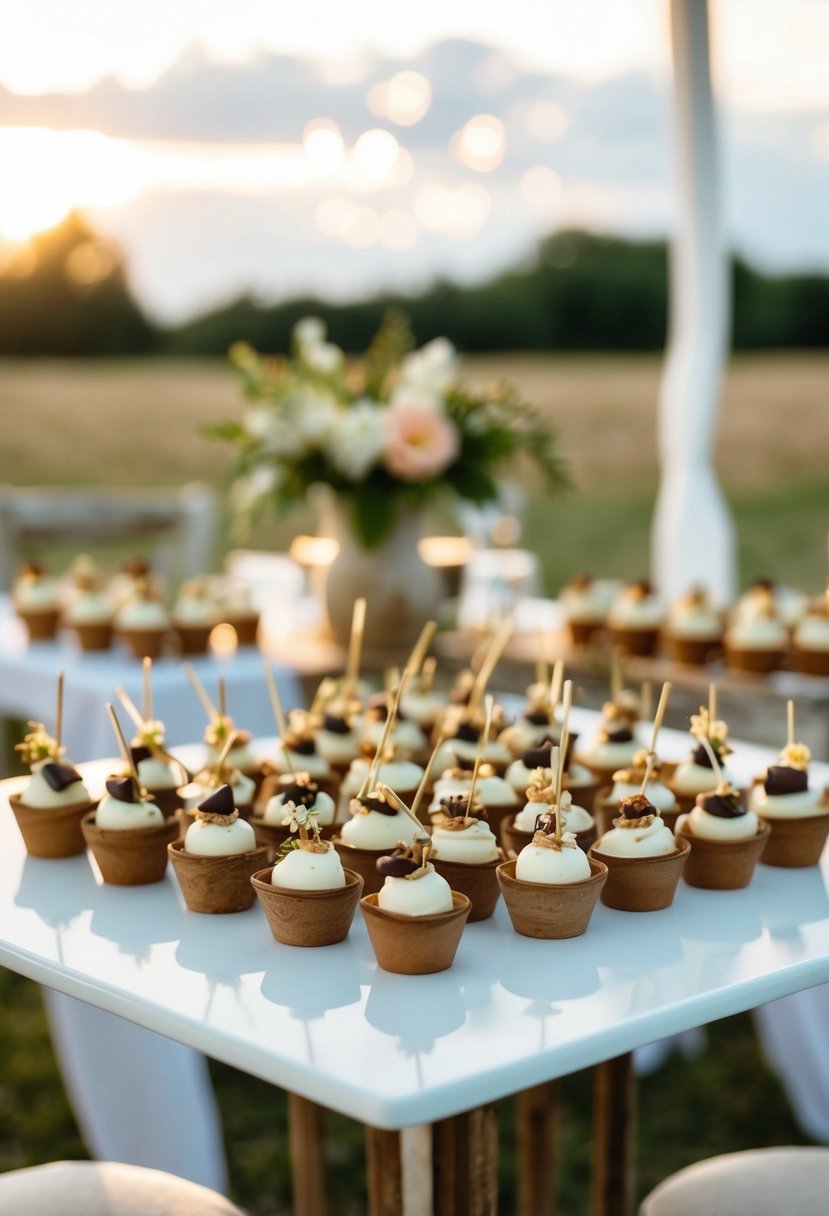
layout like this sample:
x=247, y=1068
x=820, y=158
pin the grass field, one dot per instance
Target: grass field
x=138, y=424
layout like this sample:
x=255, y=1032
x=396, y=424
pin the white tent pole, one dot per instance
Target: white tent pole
x=693, y=537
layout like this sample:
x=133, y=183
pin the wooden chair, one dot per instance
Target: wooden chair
x=182, y=524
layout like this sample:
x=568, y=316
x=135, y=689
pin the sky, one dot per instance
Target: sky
x=275, y=149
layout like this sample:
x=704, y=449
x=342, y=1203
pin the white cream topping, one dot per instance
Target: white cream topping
x=274, y=812
x=804, y=803
x=605, y=755
x=242, y=757
x=590, y=603
x=38, y=792
x=813, y=633
x=422, y=896
x=398, y=775
x=189, y=612
x=628, y=612
x=473, y=845
x=424, y=708
x=90, y=608
x=713, y=827
x=156, y=774
x=374, y=830
x=655, y=840
x=537, y=863
x=36, y=595
x=294, y=762
x=204, y=838
x=757, y=635
x=690, y=778
x=338, y=749
x=304, y=870
x=519, y=776
x=406, y=735
x=142, y=614
x=124, y=816
x=495, y=753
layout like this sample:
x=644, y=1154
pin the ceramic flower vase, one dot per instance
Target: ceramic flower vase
x=401, y=591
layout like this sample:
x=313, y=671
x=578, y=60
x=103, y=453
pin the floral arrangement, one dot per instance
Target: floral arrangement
x=397, y=426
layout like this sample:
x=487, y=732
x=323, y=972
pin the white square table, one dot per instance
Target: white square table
x=395, y=1051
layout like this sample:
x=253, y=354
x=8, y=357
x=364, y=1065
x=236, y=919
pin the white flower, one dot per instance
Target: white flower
x=316, y=417
x=412, y=396
x=276, y=431
x=297, y=817
x=310, y=331
x=325, y=358
x=433, y=368
x=357, y=439
x=247, y=490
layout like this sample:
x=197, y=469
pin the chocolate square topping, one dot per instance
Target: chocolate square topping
x=782, y=779
x=220, y=802
x=59, y=776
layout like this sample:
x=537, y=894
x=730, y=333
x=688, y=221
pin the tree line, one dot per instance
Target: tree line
x=67, y=294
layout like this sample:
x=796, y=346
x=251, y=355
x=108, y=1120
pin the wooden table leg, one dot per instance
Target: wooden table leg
x=384, y=1172
x=614, y=1136
x=536, y=1119
x=306, y=1131
x=465, y=1163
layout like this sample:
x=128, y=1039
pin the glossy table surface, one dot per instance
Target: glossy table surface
x=396, y=1050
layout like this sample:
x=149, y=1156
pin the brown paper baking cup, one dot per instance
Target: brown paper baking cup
x=796, y=842
x=514, y=839
x=811, y=662
x=415, y=945
x=606, y=809
x=640, y=642
x=53, y=831
x=308, y=918
x=642, y=884
x=40, y=626
x=585, y=633
x=192, y=639
x=551, y=910
x=695, y=652
x=760, y=662
x=498, y=815
x=273, y=835
x=362, y=862
x=246, y=628
x=216, y=884
x=144, y=643
x=722, y=865
x=478, y=883
x=132, y=857
x=94, y=637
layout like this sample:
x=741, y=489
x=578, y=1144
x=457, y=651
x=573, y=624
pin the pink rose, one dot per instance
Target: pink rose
x=420, y=441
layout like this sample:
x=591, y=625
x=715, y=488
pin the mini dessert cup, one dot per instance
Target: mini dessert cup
x=796, y=840
x=722, y=865
x=144, y=643
x=362, y=862
x=308, y=918
x=415, y=945
x=219, y=883
x=760, y=661
x=53, y=831
x=585, y=633
x=192, y=639
x=41, y=626
x=478, y=882
x=130, y=857
x=642, y=884
x=514, y=839
x=96, y=635
x=551, y=910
